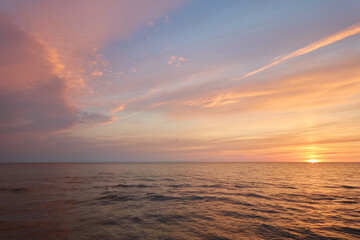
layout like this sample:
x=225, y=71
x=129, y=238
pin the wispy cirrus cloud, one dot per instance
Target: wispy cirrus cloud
x=353, y=30
x=326, y=85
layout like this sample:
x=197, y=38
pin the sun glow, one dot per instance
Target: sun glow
x=312, y=161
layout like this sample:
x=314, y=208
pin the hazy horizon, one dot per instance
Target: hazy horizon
x=190, y=161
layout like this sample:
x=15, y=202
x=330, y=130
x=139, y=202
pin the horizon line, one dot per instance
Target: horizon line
x=178, y=162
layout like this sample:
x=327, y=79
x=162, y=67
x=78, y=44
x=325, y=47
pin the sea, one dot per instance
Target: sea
x=179, y=201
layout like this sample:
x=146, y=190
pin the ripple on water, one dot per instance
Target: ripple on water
x=185, y=201
x=241, y=215
x=254, y=195
x=15, y=190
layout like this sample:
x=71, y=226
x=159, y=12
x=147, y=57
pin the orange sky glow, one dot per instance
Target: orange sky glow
x=157, y=80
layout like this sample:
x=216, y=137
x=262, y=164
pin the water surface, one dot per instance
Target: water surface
x=180, y=201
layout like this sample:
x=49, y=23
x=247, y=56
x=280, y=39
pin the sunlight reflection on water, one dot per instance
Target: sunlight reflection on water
x=180, y=201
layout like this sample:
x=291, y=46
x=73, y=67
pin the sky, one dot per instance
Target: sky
x=173, y=80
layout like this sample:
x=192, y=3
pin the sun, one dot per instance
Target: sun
x=312, y=161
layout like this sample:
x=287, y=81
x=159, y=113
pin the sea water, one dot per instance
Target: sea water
x=180, y=201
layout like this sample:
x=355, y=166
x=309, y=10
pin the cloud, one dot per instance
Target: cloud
x=176, y=60
x=118, y=108
x=89, y=21
x=292, y=145
x=52, y=51
x=353, y=30
x=97, y=72
x=33, y=96
x=328, y=84
x=78, y=29
x=91, y=118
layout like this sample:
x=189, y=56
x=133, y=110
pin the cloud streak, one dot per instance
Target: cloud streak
x=312, y=87
x=353, y=30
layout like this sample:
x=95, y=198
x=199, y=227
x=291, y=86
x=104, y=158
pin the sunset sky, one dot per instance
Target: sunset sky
x=169, y=80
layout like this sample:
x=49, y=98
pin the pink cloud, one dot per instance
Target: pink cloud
x=328, y=84
x=52, y=51
x=33, y=96
x=118, y=108
x=176, y=60
x=97, y=72
x=76, y=30
x=90, y=20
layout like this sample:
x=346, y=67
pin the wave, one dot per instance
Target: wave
x=240, y=215
x=132, y=186
x=179, y=185
x=115, y=198
x=349, y=230
x=349, y=187
x=14, y=189
x=257, y=196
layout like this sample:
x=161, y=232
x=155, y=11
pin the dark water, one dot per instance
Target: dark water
x=180, y=201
